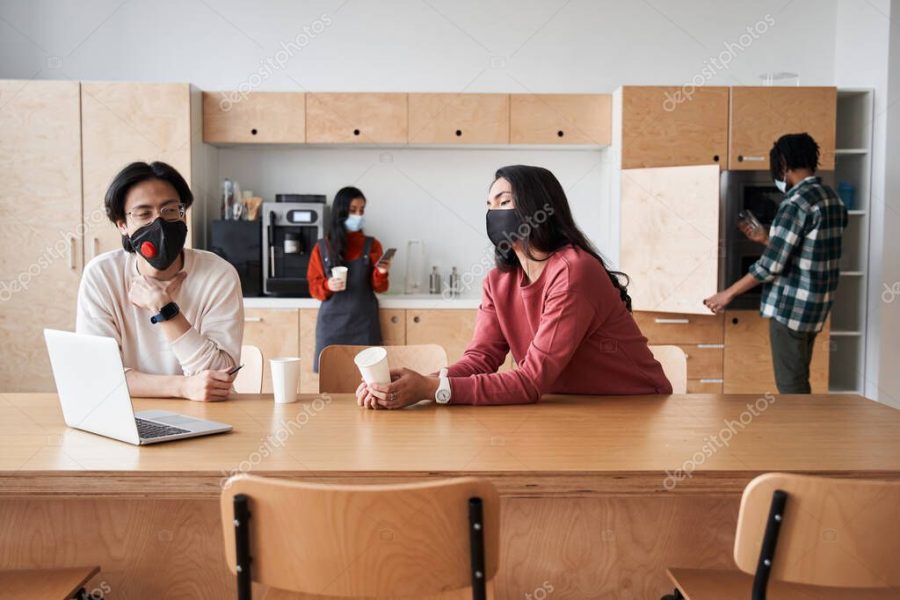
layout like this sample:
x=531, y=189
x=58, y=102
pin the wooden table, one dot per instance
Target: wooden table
x=600, y=494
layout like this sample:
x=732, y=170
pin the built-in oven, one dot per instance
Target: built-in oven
x=754, y=191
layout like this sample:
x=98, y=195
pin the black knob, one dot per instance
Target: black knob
x=356, y=132
x=560, y=133
x=740, y=158
x=252, y=132
x=416, y=319
x=458, y=132
x=394, y=319
x=734, y=321
x=716, y=158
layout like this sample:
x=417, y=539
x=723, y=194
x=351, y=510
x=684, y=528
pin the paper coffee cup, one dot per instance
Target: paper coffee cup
x=285, y=378
x=373, y=366
x=340, y=273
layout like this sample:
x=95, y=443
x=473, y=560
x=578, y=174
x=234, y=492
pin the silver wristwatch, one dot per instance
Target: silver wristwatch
x=442, y=395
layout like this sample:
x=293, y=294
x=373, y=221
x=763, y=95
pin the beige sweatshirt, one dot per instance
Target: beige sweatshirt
x=209, y=297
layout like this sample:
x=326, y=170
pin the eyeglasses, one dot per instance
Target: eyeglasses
x=171, y=212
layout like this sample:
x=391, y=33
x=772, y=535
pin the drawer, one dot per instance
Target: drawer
x=704, y=360
x=393, y=326
x=705, y=386
x=676, y=328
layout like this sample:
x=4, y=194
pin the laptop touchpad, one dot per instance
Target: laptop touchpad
x=176, y=420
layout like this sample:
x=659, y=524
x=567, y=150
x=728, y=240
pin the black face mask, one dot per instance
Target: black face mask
x=503, y=229
x=160, y=242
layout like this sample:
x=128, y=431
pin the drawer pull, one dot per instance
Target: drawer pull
x=672, y=321
x=742, y=158
x=711, y=346
x=416, y=319
x=253, y=319
x=712, y=381
x=395, y=319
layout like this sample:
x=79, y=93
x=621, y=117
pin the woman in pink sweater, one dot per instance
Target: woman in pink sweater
x=550, y=301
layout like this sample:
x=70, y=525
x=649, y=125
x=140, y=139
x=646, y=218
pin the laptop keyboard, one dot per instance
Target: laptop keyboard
x=149, y=429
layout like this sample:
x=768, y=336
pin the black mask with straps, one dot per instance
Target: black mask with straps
x=503, y=226
x=160, y=242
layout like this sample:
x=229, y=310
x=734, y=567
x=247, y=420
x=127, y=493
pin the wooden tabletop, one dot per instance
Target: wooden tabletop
x=566, y=445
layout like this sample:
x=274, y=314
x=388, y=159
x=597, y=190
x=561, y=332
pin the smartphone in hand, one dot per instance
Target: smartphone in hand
x=388, y=255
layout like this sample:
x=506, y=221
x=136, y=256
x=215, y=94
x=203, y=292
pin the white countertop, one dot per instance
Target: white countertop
x=404, y=301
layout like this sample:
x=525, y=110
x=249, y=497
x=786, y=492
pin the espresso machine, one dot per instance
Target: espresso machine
x=291, y=226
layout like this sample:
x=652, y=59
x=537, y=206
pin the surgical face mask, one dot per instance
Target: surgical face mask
x=160, y=242
x=781, y=184
x=354, y=222
x=503, y=229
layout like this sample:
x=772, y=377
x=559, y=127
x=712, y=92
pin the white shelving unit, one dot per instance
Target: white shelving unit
x=853, y=165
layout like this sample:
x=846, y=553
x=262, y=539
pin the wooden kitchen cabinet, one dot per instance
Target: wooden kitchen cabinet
x=40, y=218
x=670, y=236
x=364, y=118
x=254, y=117
x=393, y=326
x=459, y=118
x=748, y=355
x=276, y=332
x=761, y=115
x=122, y=123
x=450, y=328
x=560, y=119
x=701, y=338
x=662, y=126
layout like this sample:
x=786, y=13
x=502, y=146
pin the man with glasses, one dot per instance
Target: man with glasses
x=176, y=313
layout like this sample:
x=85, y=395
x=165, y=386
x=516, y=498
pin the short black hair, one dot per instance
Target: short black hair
x=139, y=172
x=793, y=151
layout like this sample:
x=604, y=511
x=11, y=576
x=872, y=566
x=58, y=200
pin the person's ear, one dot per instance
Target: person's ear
x=120, y=225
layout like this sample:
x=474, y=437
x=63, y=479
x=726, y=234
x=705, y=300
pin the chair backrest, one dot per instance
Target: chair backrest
x=674, y=364
x=338, y=373
x=249, y=379
x=409, y=540
x=833, y=532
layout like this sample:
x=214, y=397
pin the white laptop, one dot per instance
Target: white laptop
x=94, y=395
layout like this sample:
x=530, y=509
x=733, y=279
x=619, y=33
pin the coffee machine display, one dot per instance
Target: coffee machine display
x=290, y=231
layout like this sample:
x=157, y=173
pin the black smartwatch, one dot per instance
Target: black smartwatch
x=169, y=311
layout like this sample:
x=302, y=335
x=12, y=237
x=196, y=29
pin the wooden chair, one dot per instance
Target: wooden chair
x=406, y=540
x=674, y=364
x=338, y=373
x=48, y=584
x=803, y=537
x=249, y=380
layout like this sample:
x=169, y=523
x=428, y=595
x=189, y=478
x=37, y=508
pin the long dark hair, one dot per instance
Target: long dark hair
x=543, y=209
x=340, y=210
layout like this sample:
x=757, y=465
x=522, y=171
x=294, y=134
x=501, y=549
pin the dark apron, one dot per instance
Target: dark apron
x=351, y=316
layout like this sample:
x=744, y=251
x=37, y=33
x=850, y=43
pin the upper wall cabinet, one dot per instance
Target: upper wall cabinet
x=356, y=118
x=760, y=115
x=459, y=118
x=666, y=127
x=254, y=118
x=560, y=119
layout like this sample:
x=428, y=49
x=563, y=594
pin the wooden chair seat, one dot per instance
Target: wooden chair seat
x=47, y=584
x=720, y=584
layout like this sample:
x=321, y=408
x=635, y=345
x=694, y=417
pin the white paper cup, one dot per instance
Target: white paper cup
x=373, y=366
x=340, y=273
x=285, y=378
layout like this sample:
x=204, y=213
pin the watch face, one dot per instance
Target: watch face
x=443, y=396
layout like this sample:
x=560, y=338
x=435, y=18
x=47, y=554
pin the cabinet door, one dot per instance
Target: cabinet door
x=123, y=123
x=254, y=118
x=670, y=237
x=356, y=118
x=459, y=118
x=393, y=326
x=275, y=332
x=450, y=328
x=748, y=355
x=560, y=119
x=40, y=215
x=678, y=329
x=666, y=127
x=309, y=381
x=761, y=115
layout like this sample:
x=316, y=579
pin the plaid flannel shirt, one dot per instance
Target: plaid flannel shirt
x=800, y=266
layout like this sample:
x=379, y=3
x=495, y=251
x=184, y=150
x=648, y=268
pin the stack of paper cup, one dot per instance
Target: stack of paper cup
x=340, y=273
x=373, y=365
x=285, y=378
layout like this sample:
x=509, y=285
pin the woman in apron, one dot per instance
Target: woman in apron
x=349, y=310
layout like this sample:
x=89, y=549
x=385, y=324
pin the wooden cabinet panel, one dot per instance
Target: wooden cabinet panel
x=704, y=361
x=663, y=127
x=276, y=332
x=760, y=115
x=560, y=119
x=393, y=326
x=40, y=218
x=748, y=355
x=450, y=328
x=123, y=123
x=674, y=328
x=459, y=118
x=309, y=381
x=670, y=236
x=254, y=118
x=356, y=118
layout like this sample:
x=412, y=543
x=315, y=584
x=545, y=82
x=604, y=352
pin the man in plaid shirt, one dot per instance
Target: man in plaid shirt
x=799, y=267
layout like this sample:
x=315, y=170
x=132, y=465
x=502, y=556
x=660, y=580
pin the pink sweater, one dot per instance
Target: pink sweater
x=568, y=331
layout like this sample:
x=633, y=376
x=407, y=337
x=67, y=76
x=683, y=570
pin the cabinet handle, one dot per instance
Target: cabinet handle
x=458, y=132
x=672, y=321
x=253, y=132
x=742, y=158
x=712, y=381
x=72, y=252
x=356, y=132
x=719, y=346
x=560, y=133
x=395, y=319
x=715, y=158
x=253, y=319
x=416, y=319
